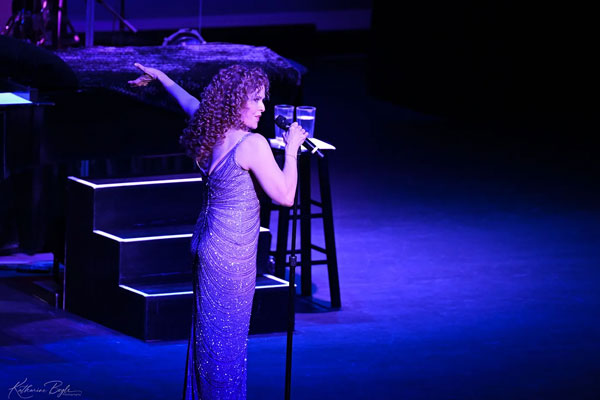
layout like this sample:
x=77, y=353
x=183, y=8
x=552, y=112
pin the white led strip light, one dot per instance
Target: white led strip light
x=141, y=239
x=146, y=238
x=282, y=284
x=141, y=183
x=154, y=295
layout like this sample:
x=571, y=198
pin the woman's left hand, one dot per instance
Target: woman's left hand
x=149, y=75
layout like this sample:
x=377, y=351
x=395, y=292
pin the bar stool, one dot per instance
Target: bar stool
x=305, y=218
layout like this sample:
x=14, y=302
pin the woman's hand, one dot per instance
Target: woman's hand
x=150, y=74
x=187, y=102
x=294, y=137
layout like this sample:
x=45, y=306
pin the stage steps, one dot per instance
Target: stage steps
x=128, y=264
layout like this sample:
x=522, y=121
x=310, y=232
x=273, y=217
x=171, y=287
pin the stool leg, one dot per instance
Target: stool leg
x=266, y=207
x=283, y=226
x=332, y=266
x=305, y=226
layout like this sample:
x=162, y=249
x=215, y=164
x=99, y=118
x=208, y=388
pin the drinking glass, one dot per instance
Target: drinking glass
x=287, y=111
x=305, y=116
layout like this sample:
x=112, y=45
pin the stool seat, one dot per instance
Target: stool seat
x=279, y=144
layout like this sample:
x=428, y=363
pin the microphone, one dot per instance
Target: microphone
x=282, y=123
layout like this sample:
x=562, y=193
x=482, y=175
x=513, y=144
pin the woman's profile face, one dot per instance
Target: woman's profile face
x=253, y=109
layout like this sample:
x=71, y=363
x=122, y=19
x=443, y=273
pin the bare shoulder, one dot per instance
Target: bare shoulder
x=253, y=142
x=253, y=146
x=256, y=139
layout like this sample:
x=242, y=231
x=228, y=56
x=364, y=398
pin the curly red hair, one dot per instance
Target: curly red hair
x=220, y=109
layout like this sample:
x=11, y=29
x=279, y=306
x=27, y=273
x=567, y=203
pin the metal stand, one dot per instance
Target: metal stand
x=68, y=25
x=291, y=299
x=89, y=18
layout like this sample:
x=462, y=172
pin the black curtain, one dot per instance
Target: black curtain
x=489, y=56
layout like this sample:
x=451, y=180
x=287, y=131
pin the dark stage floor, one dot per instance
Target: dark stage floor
x=469, y=257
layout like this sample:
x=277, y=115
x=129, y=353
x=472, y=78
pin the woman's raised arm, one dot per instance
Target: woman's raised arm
x=186, y=101
x=256, y=155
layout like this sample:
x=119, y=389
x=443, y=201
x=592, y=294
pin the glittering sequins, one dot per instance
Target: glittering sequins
x=224, y=247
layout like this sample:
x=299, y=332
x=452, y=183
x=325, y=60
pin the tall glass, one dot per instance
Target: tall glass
x=287, y=111
x=305, y=115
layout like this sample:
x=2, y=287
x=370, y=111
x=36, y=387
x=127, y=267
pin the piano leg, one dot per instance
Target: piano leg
x=30, y=209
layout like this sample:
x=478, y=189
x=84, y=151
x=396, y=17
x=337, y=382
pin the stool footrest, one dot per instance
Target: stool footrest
x=317, y=215
x=318, y=248
x=298, y=251
x=312, y=262
x=280, y=207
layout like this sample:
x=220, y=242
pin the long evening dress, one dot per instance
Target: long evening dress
x=224, y=247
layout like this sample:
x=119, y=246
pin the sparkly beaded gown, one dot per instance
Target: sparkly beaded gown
x=224, y=247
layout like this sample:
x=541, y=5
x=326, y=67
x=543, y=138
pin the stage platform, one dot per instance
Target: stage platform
x=469, y=271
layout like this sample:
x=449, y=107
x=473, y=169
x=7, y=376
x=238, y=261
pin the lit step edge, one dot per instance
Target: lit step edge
x=140, y=183
x=146, y=238
x=281, y=284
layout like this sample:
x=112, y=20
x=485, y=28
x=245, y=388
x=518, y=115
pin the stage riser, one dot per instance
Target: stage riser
x=171, y=318
x=139, y=258
x=159, y=259
x=147, y=205
x=154, y=259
